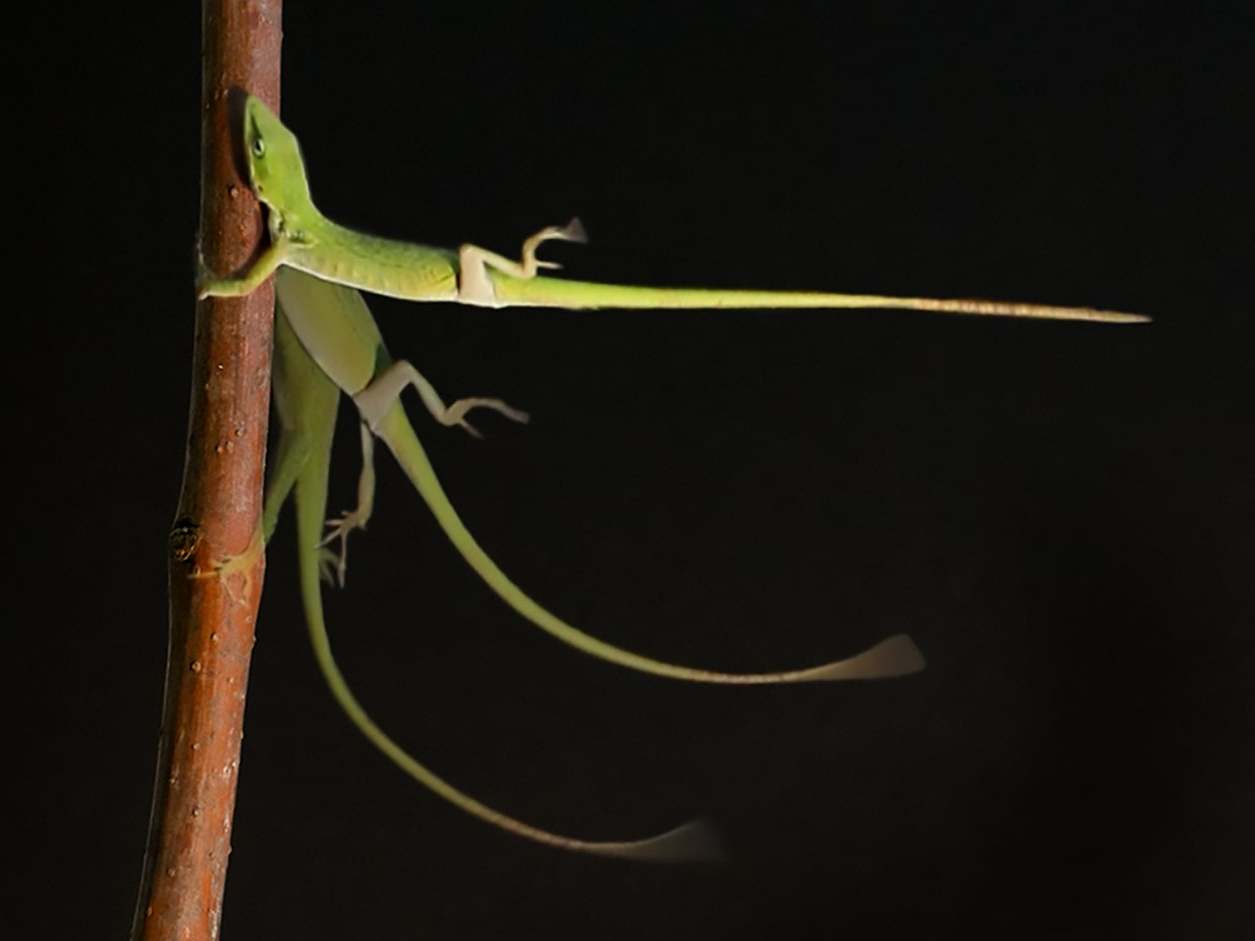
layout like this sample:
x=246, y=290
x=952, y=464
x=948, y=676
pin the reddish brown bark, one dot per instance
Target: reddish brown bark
x=213, y=606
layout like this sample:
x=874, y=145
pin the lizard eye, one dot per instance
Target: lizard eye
x=259, y=147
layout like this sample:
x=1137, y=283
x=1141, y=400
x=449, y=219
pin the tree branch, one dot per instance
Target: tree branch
x=216, y=562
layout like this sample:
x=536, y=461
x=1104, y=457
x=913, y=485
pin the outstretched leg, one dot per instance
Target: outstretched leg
x=377, y=398
x=374, y=402
x=474, y=286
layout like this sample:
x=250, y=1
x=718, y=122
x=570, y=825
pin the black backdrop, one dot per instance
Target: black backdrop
x=1060, y=514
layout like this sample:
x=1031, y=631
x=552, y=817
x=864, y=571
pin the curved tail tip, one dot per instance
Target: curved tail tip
x=694, y=842
x=893, y=656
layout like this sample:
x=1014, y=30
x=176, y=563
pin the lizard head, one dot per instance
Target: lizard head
x=273, y=157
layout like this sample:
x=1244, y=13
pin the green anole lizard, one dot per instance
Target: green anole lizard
x=327, y=342
x=301, y=237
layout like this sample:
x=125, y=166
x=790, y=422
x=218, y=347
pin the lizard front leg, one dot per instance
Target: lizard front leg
x=265, y=265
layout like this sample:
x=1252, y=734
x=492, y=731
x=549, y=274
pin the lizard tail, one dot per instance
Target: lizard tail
x=693, y=841
x=894, y=656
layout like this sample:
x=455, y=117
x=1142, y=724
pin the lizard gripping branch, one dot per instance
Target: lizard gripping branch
x=302, y=238
x=327, y=343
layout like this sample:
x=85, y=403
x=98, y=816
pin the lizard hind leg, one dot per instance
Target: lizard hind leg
x=573, y=231
x=374, y=402
x=339, y=528
x=378, y=398
x=474, y=286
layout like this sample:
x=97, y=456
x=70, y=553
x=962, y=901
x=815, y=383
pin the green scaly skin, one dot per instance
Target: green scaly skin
x=302, y=238
x=327, y=342
x=306, y=402
x=345, y=357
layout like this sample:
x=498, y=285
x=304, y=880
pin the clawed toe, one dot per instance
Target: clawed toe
x=456, y=413
x=329, y=568
x=339, y=529
x=574, y=231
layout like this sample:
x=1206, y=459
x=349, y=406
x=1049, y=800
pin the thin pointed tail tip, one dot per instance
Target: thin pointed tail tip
x=1095, y=315
x=694, y=842
x=893, y=656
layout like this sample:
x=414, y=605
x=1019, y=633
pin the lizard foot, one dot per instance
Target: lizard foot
x=339, y=529
x=455, y=414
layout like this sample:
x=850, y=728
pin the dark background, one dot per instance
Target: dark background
x=1060, y=514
